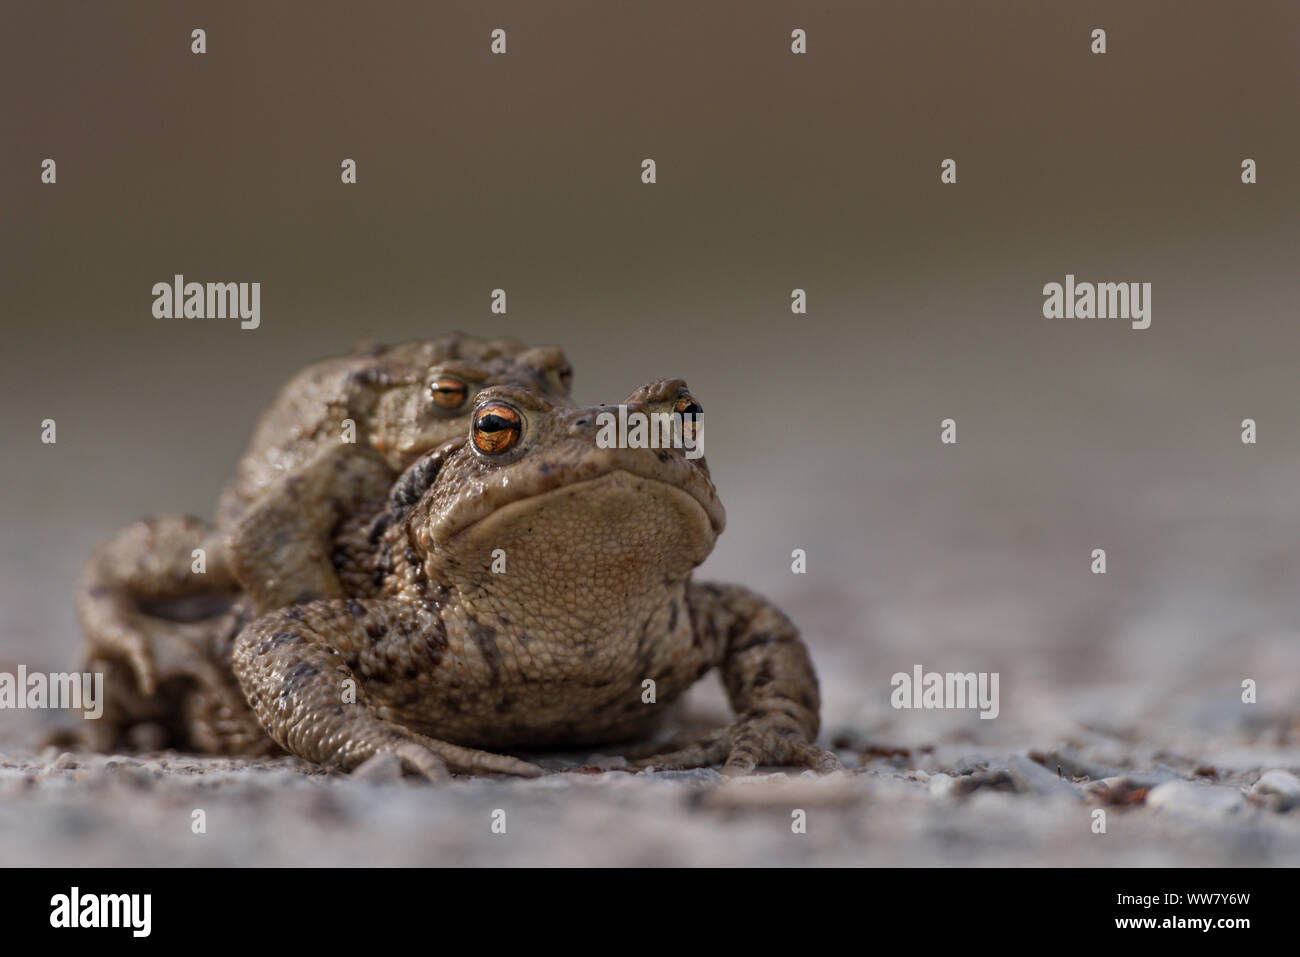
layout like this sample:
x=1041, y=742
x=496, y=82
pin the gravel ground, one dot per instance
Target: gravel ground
x=1232, y=799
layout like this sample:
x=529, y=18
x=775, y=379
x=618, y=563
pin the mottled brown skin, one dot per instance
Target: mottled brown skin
x=270, y=544
x=451, y=661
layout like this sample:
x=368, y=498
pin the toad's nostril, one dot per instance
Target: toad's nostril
x=584, y=427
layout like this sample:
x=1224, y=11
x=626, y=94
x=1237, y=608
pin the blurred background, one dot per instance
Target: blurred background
x=775, y=171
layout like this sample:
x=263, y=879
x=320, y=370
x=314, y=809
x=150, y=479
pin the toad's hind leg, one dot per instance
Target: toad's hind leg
x=141, y=584
x=316, y=676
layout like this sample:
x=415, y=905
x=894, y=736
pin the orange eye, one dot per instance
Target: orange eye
x=449, y=392
x=684, y=406
x=497, y=428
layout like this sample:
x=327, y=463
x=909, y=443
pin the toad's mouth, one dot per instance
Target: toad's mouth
x=615, y=493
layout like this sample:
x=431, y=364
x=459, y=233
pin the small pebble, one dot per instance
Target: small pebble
x=1187, y=797
x=942, y=785
x=1279, y=788
x=66, y=761
x=1031, y=777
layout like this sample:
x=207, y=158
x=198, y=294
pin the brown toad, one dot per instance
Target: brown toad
x=337, y=434
x=530, y=587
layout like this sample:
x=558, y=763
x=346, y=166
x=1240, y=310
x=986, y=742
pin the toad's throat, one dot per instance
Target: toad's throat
x=598, y=527
x=584, y=565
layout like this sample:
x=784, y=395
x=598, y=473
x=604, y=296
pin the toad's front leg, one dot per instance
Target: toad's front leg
x=321, y=677
x=769, y=679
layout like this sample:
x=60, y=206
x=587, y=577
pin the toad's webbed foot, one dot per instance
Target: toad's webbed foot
x=741, y=748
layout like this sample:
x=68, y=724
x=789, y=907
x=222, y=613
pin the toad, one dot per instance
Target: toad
x=530, y=588
x=338, y=433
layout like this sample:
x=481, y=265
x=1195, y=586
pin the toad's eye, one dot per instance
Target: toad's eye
x=687, y=406
x=449, y=392
x=497, y=428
